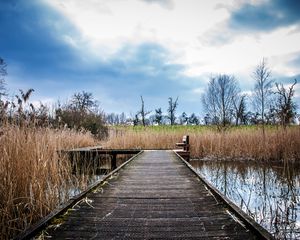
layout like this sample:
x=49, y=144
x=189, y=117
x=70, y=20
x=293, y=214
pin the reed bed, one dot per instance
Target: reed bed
x=240, y=143
x=34, y=179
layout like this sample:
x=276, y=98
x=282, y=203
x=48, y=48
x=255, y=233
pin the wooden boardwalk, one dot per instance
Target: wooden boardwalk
x=154, y=197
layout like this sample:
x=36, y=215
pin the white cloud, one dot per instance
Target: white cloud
x=188, y=30
x=107, y=25
x=169, y=4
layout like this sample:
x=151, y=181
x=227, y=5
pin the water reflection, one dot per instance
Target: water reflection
x=80, y=183
x=87, y=171
x=269, y=194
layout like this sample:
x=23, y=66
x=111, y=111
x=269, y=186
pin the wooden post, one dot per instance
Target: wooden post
x=187, y=143
x=113, y=161
x=187, y=147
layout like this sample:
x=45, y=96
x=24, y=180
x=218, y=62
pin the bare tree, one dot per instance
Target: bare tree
x=285, y=105
x=136, y=120
x=83, y=101
x=239, y=103
x=115, y=118
x=172, y=109
x=193, y=119
x=158, y=116
x=262, y=88
x=207, y=119
x=184, y=119
x=83, y=112
x=123, y=118
x=218, y=98
x=143, y=112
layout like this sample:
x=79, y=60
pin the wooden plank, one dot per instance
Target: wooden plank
x=155, y=196
x=103, y=151
x=261, y=232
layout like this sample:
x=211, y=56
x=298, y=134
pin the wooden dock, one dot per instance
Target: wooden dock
x=155, y=196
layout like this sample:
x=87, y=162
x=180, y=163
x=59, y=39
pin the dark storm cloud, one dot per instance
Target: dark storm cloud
x=31, y=36
x=253, y=19
x=266, y=16
x=34, y=42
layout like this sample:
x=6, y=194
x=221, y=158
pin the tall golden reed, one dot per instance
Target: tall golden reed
x=34, y=180
x=236, y=143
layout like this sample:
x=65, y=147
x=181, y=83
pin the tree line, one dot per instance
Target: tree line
x=223, y=101
x=225, y=104
x=144, y=117
x=272, y=102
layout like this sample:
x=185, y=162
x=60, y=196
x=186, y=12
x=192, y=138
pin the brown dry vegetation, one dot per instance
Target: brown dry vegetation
x=34, y=180
x=236, y=143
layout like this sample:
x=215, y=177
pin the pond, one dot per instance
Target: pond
x=86, y=173
x=268, y=193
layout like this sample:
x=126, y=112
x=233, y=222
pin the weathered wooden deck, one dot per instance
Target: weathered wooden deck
x=155, y=196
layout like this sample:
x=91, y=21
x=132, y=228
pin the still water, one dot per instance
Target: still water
x=269, y=194
x=87, y=173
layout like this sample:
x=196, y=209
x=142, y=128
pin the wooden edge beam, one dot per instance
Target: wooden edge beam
x=252, y=225
x=87, y=148
x=181, y=144
x=36, y=228
x=102, y=151
x=182, y=152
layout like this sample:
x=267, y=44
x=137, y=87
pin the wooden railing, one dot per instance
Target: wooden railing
x=82, y=158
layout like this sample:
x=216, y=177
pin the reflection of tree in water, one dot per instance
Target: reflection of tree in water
x=269, y=194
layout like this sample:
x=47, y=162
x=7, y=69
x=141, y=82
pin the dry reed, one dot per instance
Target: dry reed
x=236, y=143
x=34, y=180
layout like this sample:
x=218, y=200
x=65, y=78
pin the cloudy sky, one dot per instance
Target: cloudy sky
x=121, y=49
